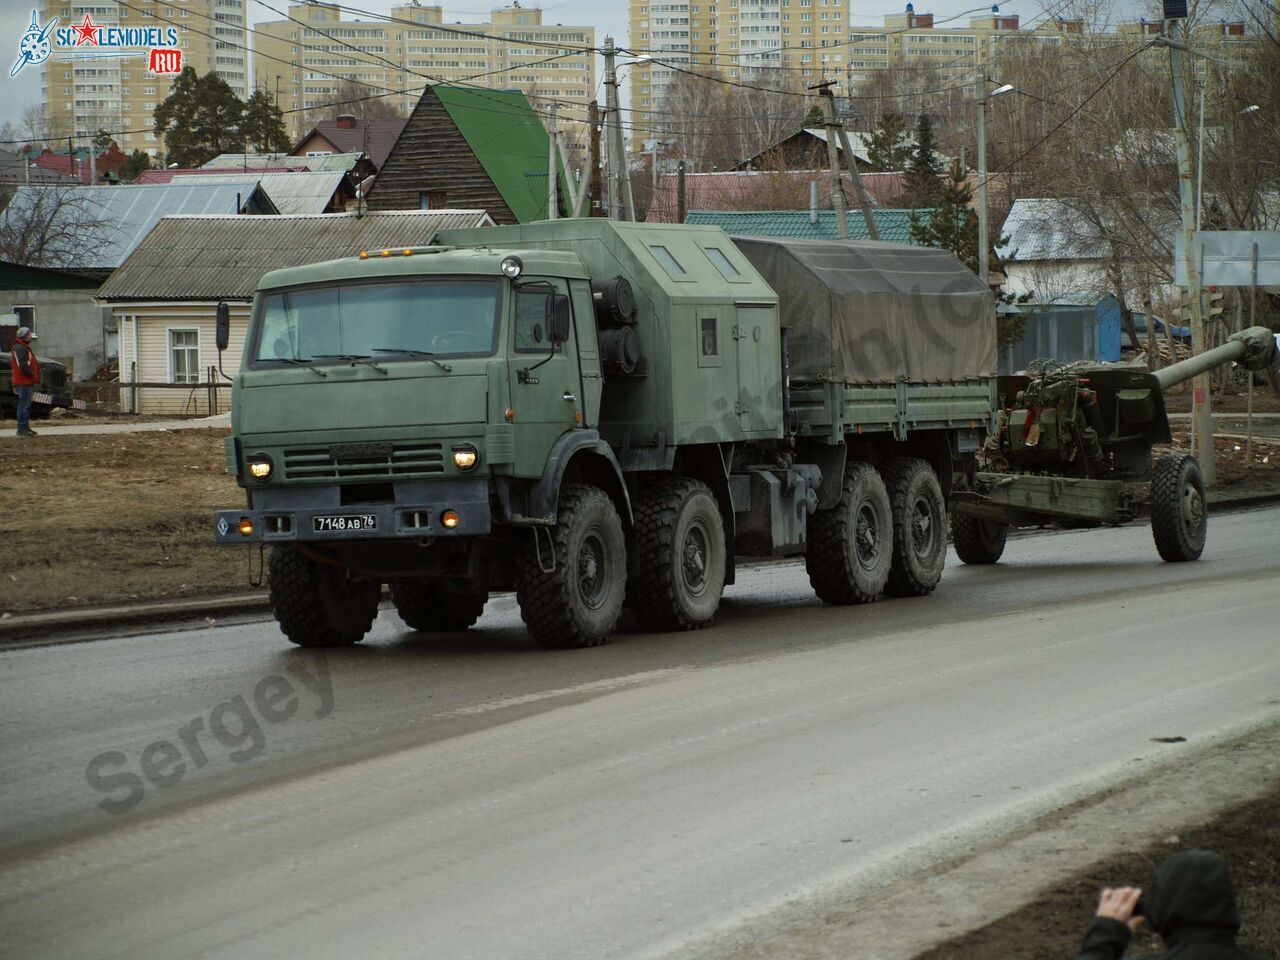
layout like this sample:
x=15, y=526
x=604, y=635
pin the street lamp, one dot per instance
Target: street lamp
x=984, y=250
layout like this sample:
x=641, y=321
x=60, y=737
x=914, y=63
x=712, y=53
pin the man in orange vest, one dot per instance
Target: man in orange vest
x=25, y=369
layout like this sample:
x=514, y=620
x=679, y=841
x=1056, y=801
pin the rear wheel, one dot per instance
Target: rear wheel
x=919, y=527
x=850, y=546
x=434, y=606
x=570, y=584
x=677, y=556
x=1179, y=520
x=317, y=604
x=977, y=540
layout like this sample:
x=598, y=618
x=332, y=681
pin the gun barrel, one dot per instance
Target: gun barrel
x=1253, y=347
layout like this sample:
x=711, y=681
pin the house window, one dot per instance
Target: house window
x=319, y=153
x=26, y=316
x=722, y=263
x=184, y=356
x=432, y=200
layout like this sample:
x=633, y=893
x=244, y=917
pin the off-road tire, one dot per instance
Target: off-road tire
x=850, y=546
x=435, y=606
x=977, y=540
x=1179, y=520
x=578, y=603
x=677, y=556
x=919, y=527
x=315, y=604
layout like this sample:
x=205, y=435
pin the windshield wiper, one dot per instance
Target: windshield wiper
x=302, y=363
x=353, y=357
x=414, y=353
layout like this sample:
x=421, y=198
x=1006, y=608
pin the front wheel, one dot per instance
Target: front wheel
x=570, y=584
x=919, y=527
x=434, y=606
x=1179, y=520
x=316, y=604
x=677, y=558
x=977, y=540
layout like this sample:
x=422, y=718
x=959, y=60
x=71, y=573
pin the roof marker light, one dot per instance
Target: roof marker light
x=364, y=254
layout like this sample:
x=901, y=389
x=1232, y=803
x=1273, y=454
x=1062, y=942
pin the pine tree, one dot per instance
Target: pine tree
x=887, y=146
x=924, y=168
x=951, y=224
x=200, y=118
x=263, y=127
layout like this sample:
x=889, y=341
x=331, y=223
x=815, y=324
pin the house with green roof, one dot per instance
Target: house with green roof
x=894, y=225
x=471, y=148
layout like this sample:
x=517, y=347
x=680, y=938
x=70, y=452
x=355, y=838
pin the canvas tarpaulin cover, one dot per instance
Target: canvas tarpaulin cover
x=859, y=311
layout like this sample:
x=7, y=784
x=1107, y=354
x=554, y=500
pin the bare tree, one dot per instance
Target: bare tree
x=362, y=101
x=719, y=122
x=51, y=226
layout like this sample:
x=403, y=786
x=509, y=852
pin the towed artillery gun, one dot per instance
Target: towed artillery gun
x=1073, y=446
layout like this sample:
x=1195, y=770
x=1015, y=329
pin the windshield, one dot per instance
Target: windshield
x=446, y=317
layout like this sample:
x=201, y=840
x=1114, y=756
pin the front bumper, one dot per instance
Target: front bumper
x=288, y=516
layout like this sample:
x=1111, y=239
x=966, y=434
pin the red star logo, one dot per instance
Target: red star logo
x=88, y=32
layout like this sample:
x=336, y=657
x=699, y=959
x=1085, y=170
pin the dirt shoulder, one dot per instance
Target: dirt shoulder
x=1248, y=836
x=115, y=518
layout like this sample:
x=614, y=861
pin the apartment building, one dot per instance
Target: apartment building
x=734, y=38
x=300, y=60
x=97, y=84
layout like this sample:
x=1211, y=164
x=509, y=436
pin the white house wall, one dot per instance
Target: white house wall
x=144, y=340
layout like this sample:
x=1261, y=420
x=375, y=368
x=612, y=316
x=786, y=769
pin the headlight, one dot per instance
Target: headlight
x=512, y=267
x=259, y=466
x=465, y=457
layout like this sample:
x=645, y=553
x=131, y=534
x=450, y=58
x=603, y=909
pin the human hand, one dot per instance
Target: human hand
x=1118, y=904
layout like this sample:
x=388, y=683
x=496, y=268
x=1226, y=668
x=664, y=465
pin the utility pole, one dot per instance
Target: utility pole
x=619, y=182
x=552, y=159
x=984, y=244
x=592, y=187
x=653, y=165
x=851, y=162
x=833, y=159
x=1201, y=410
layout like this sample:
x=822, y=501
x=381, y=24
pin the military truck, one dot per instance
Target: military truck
x=598, y=414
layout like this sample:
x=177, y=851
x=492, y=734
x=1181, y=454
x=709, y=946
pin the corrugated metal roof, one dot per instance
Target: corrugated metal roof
x=1049, y=230
x=232, y=162
x=292, y=193
x=894, y=225
x=213, y=258
x=109, y=222
x=750, y=190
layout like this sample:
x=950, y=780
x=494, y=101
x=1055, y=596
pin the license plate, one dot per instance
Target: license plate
x=347, y=523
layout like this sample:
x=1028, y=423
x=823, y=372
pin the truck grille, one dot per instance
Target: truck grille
x=400, y=460
x=54, y=378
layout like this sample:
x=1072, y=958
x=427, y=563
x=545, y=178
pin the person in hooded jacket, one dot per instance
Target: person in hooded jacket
x=1191, y=903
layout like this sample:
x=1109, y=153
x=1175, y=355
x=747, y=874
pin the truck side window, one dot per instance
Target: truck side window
x=708, y=342
x=532, y=335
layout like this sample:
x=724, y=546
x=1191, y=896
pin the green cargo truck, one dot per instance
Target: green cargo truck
x=599, y=414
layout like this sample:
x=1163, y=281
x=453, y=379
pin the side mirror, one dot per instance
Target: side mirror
x=558, y=317
x=223, y=329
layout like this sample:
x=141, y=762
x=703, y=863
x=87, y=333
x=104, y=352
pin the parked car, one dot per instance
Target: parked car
x=54, y=389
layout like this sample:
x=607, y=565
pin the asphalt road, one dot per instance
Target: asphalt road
x=472, y=796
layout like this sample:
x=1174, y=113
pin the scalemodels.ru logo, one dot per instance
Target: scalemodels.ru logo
x=89, y=40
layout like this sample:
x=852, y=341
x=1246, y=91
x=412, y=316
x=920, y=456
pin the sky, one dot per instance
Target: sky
x=608, y=16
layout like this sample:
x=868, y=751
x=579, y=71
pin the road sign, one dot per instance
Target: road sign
x=1226, y=258
x=1175, y=9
